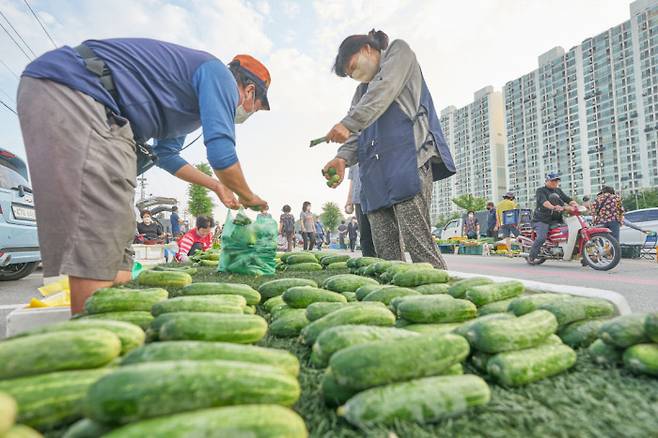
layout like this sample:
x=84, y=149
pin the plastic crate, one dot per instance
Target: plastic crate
x=631, y=251
x=470, y=249
x=447, y=248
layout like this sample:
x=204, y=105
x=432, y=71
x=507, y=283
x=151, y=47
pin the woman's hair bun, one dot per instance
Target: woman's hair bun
x=379, y=40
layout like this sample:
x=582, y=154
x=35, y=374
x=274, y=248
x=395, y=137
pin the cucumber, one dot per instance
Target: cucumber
x=277, y=287
x=433, y=288
x=363, y=291
x=334, y=394
x=8, y=411
x=300, y=297
x=436, y=329
x=396, y=268
x=436, y=309
x=141, y=319
x=360, y=271
x=387, y=361
x=326, y=261
x=604, y=354
x=350, y=296
x=233, y=421
x=426, y=400
x=581, y=334
x=516, y=368
x=417, y=277
x=480, y=359
x=489, y=293
x=130, y=335
x=128, y=393
x=248, y=310
x=304, y=267
x=642, y=358
x=200, y=350
x=250, y=295
x=123, y=300
x=188, y=269
x=279, y=311
x=22, y=431
x=577, y=309
x=498, y=335
x=624, y=331
x=651, y=326
x=290, y=324
x=459, y=288
x=52, y=400
x=464, y=328
x=341, y=337
x=200, y=326
x=386, y=294
x=455, y=370
x=371, y=270
x=395, y=302
x=380, y=267
x=318, y=310
x=86, y=428
x=361, y=262
x=528, y=303
x=359, y=315
x=338, y=266
x=296, y=259
x=200, y=303
x=209, y=263
x=495, y=307
x=173, y=279
x=346, y=282
x=58, y=351
x=272, y=303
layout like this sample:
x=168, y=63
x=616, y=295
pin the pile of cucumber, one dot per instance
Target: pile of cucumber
x=208, y=258
x=311, y=261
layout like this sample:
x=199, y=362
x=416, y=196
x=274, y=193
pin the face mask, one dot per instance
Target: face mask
x=470, y=216
x=241, y=114
x=147, y=220
x=365, y=69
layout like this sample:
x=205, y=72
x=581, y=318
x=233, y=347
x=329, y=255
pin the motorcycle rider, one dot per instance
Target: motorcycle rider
x=546, y=212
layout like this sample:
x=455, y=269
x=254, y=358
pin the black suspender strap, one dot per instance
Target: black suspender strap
x=98, y=67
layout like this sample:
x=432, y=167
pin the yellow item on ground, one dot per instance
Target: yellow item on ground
x=54, y=287
x=60, y=299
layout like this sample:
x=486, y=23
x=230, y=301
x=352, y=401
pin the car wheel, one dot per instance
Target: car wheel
x=17, y=271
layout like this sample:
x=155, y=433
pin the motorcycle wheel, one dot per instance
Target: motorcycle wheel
x=536, y=262
x=17, y=271
x=602, y=252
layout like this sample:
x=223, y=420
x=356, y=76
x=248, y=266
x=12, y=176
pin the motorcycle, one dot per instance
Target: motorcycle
x=575, y=239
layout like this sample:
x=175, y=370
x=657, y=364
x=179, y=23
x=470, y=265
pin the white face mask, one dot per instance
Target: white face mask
x=365, y=69
x=241, y=114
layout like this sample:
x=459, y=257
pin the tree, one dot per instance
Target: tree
x=443, y=219
x=199, y=201
x=470, y=203
x=647, y=198
x=331, y=216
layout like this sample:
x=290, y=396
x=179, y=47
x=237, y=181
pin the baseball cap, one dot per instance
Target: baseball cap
x=257, y=72
x=552, y=176
x=509, y=195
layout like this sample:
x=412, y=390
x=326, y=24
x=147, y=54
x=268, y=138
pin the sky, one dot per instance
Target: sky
x=461, y=47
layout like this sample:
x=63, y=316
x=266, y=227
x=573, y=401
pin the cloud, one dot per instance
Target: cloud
x=290, y=9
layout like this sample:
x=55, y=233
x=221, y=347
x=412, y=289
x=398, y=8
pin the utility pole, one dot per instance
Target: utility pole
x=142, y=187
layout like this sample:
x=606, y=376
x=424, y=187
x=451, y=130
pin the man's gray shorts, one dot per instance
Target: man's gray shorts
x=82, y=168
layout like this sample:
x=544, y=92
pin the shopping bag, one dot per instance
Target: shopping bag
x=248, y=247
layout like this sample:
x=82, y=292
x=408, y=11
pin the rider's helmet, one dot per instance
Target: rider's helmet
x=552, y=176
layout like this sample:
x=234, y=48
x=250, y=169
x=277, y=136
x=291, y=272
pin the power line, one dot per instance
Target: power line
x=19, y=35
x=8, y=107
x=16, y=42
x=40, y=24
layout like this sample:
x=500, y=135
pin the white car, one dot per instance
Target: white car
x=647, y=219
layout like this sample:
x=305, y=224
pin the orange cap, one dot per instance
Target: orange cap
x=256, y=71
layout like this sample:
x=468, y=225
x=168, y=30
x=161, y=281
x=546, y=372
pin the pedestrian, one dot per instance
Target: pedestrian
x=392, y=130
x=319, y=234
x=508, y=230
x=342, y=233
x=608, y=211
x=546, y=212
x=86, y=114
x=471, y=227
x=174, y=220
x=148, y=228
x=491, y=220
x=287, y=227
x=198, y=238
x=352, y=233
x=353, y=205
x=307, y=222
x=264, y=214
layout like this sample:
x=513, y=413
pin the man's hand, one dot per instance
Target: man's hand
x=349, y=208
x=254, y=202
x=558, y=208
x=227, y=197
x=338, y=134
x=339, y=165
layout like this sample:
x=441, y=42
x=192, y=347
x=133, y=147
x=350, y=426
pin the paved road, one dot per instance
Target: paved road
x=637, y=280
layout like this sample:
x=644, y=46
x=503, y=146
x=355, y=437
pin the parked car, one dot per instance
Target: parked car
x=646, y=219
x=453, y=229
x=19, y=243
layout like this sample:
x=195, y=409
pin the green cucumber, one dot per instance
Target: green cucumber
x=346, y=282
x=495, y=307
x=651, y=326
x=318, y=310
x=326, y=261
x=201, y=350
x=58, y=351
x=353, y=314
x=22, y=431
x=498, y=335
x=277, y=287
x=300, y=297
x=436, y=309
x=290, y=324
x=642, y=358
x=581, y=334
x=624, y=331
x=577, y=309
x=338, y=266
x=334, y=394
x=380, y=267
x=397, y=268
x=128, y=393
x=281, y=310
x=52, y=400
x=248, y=310
x=209, y=263
x=304, y=267
x=479, y=359
x=249, y=294
x=200, y=303
x=604, y=354
x=272, y=303
x=363, y=291
x=459, y=288
x=86, y=428
x=387, y=361
x=489, y=293
x=386, y=294
x=164, y=279
x=123, y=300
x=464, y=328
x=528, y=303
x=426, y=400
x=433, y=288
x=296, y=259
x=341, y=337
x=141, y=319
x=8, y=411
x=361, y=262
x=417, y=277
x=219, y=327
x=516, y=368
x=187, y=269
x=436, y=329
x=350, y=296
x=395, y=302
